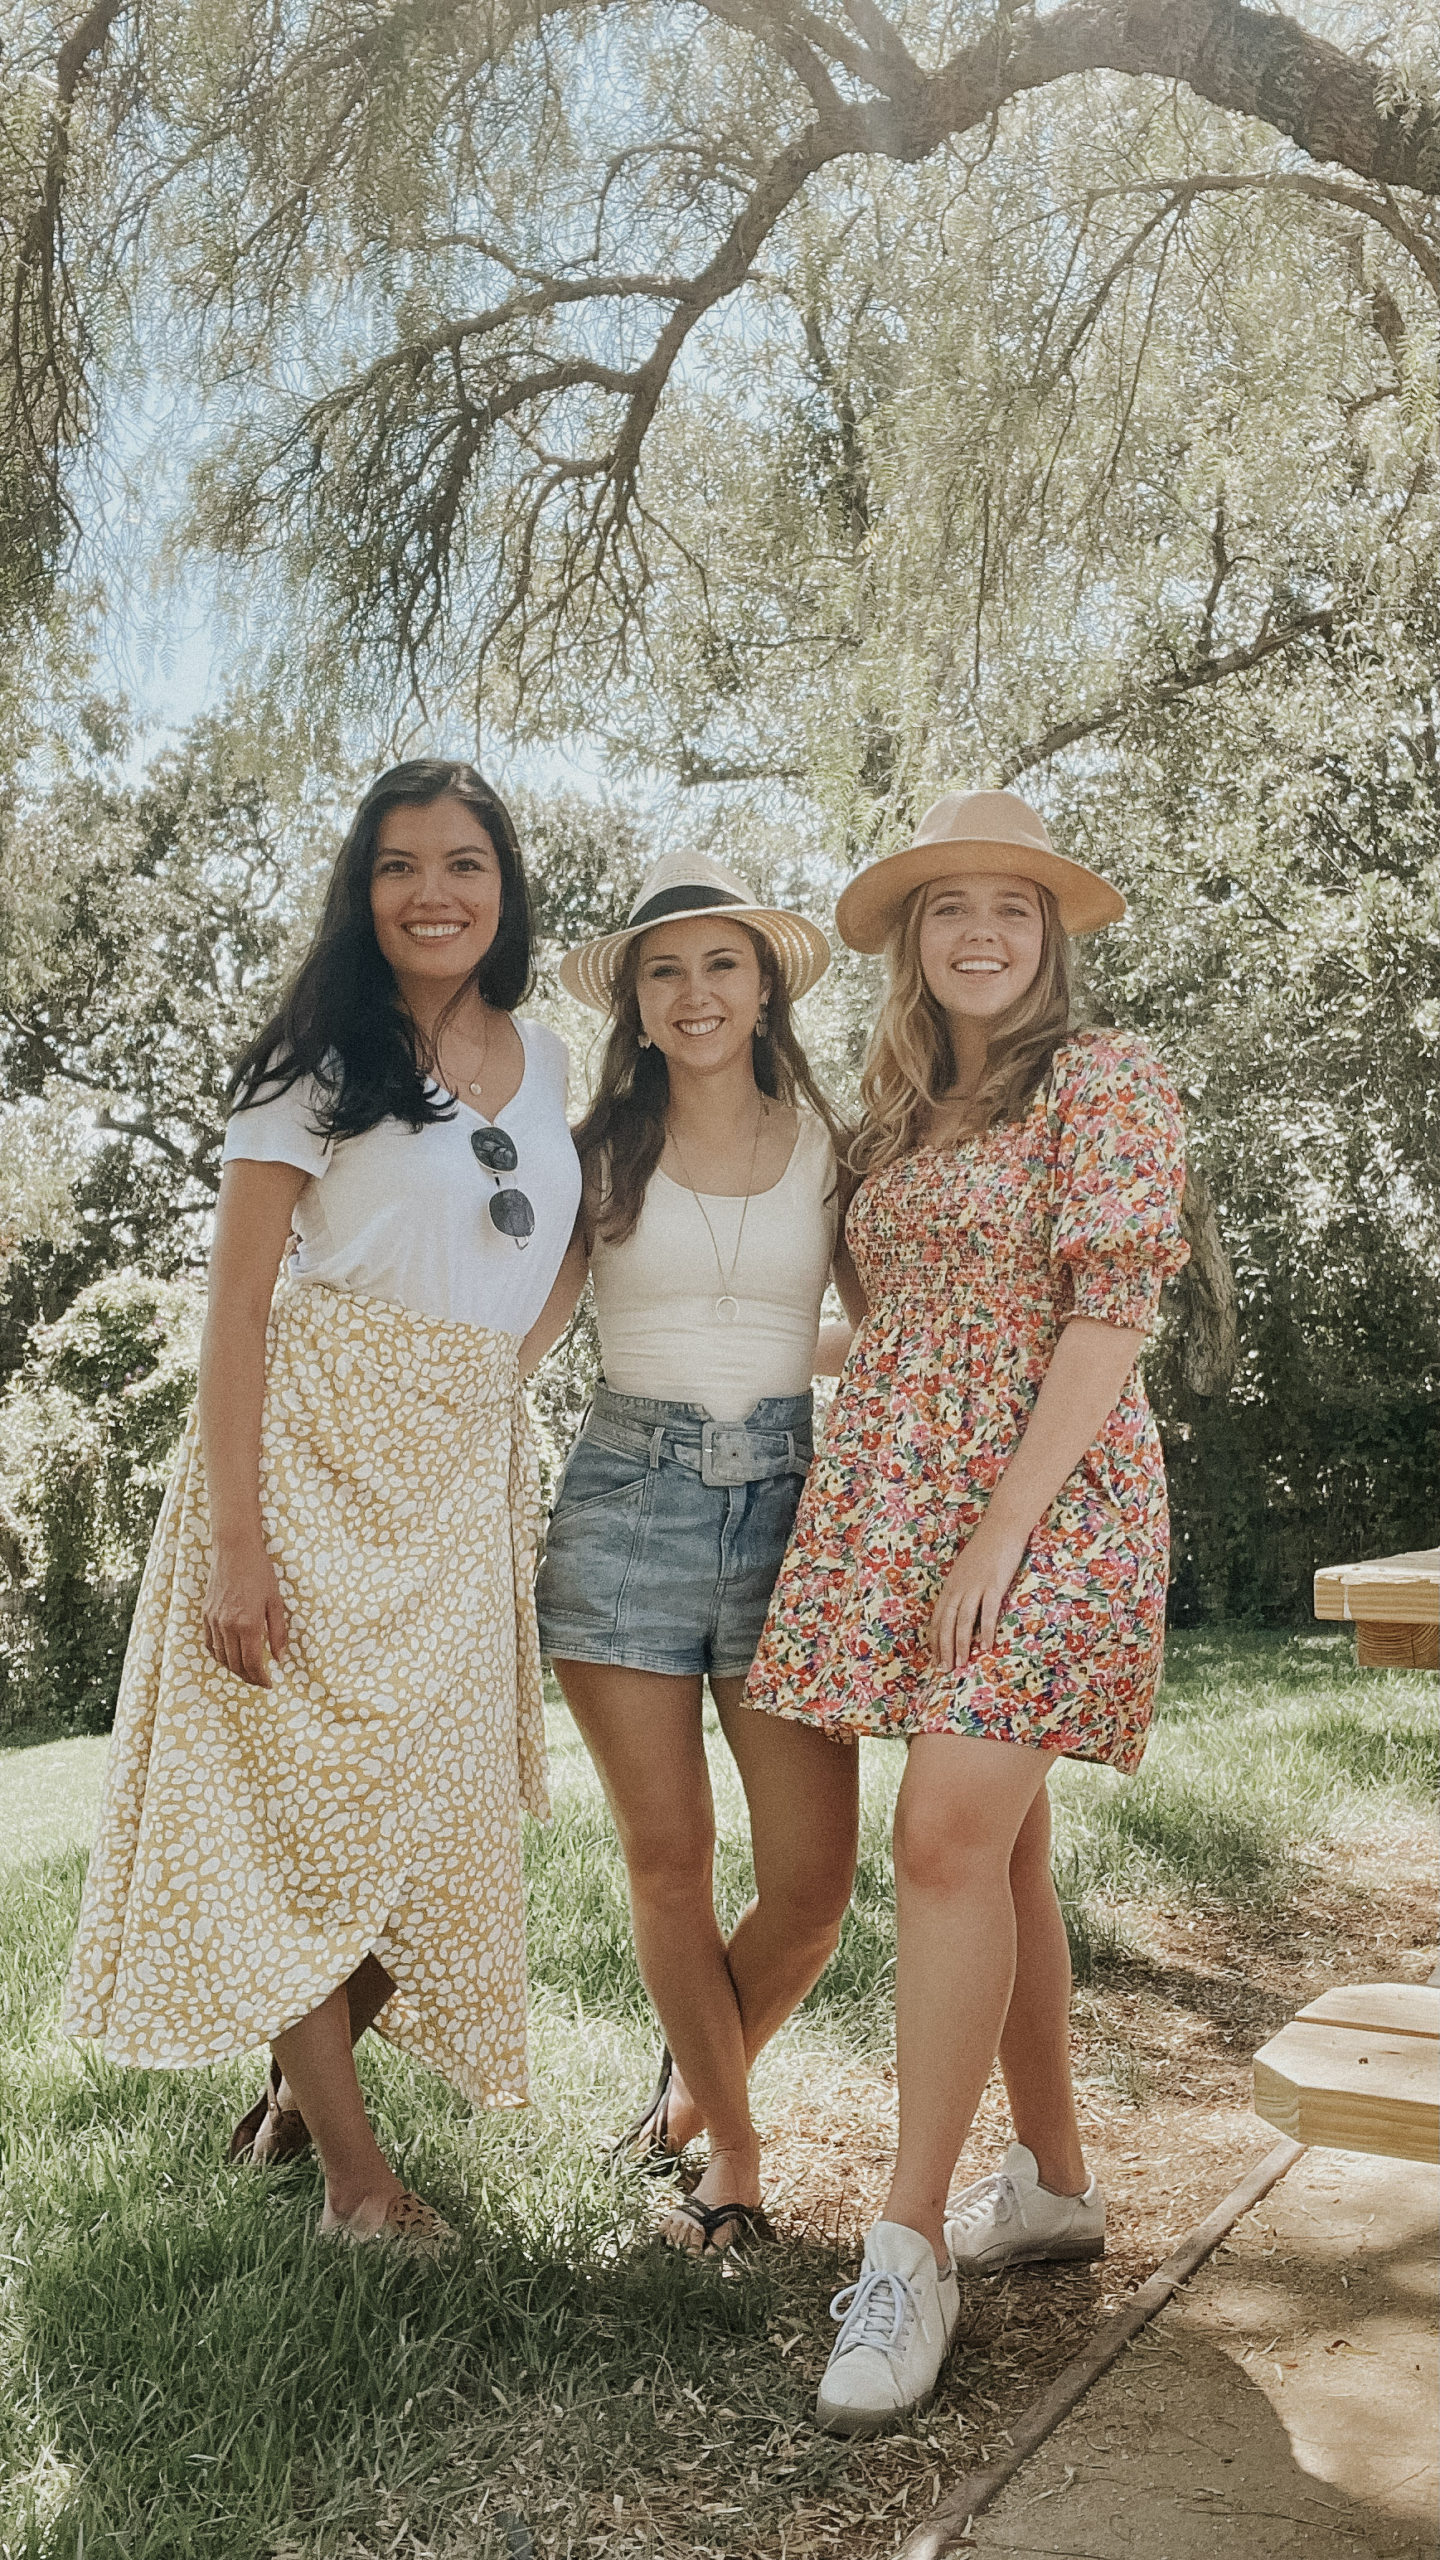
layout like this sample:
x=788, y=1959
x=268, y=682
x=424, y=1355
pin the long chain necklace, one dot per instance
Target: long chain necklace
x=727, y=1305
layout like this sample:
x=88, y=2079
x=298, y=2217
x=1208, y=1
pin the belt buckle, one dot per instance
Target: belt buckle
x=725, y=1453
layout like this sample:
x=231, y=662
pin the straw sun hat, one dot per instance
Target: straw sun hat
x=689, y=884
x=969, y=831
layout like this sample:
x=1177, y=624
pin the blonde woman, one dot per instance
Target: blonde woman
x=330, y=1716
x=979, y=1562
x=711, y=1202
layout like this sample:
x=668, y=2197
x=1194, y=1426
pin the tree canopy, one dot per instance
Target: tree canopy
x=802, y=407
x=592, y=364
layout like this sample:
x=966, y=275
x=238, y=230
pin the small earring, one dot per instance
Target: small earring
x=645, y=1041
x=762, y=1022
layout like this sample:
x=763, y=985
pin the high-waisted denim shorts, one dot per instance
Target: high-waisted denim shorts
x=668, y=1531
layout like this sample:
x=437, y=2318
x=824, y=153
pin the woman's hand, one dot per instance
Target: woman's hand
x=972, y=1594
x=243, y=1611
x=1088, y=1369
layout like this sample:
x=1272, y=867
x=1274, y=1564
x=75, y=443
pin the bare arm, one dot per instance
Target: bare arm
x=847, y=1281
x=562, y=1302
x=1090, y=1365
x=831, y=1348
x=242, y=1607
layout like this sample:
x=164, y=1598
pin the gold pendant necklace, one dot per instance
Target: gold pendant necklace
x=727, y=1305
x=474, y=1084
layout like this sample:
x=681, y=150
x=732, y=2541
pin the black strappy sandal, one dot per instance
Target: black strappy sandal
x=646, y=2142
x=747, y=2221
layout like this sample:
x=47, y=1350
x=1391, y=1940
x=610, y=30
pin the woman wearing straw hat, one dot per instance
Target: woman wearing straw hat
x=330, y=1717
x=979, y=1562
x=711, y=1201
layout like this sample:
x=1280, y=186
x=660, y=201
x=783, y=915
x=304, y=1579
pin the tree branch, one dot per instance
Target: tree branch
x=786, y=39
x=402, y=444
x=1378, y=208
x=143, y=1127
x=692, y=770
x=44, y=373
x=1202, y=671
x=1251, y=62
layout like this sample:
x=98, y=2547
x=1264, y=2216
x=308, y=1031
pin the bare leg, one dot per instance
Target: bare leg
x=803, y=1794
x=318, y=2062
x=366, y=1993
x=961, y=1807
x=643, y=1732
x=1035, y=2047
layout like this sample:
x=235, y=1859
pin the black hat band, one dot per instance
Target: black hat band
x=672, y=902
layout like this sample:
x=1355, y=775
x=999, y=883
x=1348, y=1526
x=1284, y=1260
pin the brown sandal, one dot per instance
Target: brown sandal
x=645, y=2144
x=408, y=2224
x=290, y=2136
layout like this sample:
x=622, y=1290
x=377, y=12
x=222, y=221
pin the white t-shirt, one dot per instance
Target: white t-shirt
x=404, y=1214
x=655, y=1293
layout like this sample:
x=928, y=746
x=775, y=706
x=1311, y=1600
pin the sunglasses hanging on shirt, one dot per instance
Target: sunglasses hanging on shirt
x=510, y=1211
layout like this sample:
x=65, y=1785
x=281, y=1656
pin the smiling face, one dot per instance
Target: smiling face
x=700, y=987
x=435, y=893
x=981, y=942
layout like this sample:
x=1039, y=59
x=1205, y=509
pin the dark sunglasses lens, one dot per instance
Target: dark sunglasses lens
x=511, y=1212
x=495, y=1149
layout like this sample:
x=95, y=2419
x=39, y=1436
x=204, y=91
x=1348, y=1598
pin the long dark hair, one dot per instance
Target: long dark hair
x=340, y=1019
x=622, y=1136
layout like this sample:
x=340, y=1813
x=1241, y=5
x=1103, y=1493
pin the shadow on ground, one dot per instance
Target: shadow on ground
x=1285, y=2406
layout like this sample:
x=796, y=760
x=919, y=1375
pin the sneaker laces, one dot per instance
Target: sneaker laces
x=873, y=2312
x=989, y=2196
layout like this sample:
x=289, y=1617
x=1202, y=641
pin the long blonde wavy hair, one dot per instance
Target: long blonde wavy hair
x=910, y=1063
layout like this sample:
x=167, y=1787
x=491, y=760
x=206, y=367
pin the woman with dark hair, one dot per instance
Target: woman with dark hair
x=711, y=1208
x=330, y=1714
x=979, y=1562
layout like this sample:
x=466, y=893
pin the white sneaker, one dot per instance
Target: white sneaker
x=896, y=2323
x=1012, y=2221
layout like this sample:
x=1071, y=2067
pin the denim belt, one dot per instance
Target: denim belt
x=731, y=1454
x=720, y=1453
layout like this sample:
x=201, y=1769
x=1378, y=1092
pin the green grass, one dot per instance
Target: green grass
x=1265, y=1745
x=183, y=2370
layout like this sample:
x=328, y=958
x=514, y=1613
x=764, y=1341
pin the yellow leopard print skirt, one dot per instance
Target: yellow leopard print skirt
x=254, y=1844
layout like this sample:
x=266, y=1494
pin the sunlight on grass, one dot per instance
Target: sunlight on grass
x=185, y=2371
x=1263, y=1746
x=49, y=1796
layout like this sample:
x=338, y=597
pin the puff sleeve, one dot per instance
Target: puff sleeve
x=1119, y=1172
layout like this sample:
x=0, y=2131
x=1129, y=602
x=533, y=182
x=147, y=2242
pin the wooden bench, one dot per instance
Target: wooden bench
x=1394, y=1602
x=1359, y=2070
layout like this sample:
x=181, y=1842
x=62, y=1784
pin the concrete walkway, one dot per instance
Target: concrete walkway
x=1284, y=2409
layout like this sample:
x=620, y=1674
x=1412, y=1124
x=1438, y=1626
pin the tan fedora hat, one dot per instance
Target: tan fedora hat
x=967, y=831
x=690, y=884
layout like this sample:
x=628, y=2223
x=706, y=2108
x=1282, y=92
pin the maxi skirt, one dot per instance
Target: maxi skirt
x=255, y=1845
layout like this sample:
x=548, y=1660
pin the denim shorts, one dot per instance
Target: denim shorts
x=668, y=1531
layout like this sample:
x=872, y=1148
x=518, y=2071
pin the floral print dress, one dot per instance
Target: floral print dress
x=972, y=1258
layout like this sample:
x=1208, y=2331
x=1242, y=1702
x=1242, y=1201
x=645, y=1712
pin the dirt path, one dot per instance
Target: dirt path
x=1285, y=2407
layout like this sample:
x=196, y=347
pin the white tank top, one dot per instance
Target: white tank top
x=655, y=1294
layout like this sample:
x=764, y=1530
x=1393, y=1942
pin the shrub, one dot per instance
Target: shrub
x=88, y=1427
